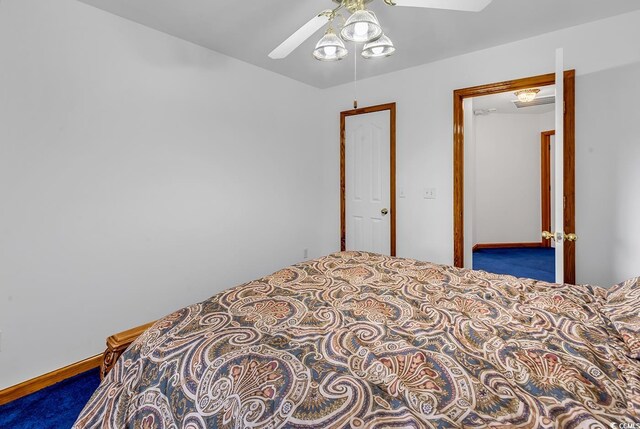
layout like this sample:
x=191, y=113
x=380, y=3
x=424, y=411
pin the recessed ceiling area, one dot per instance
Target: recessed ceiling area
x=503, y=103
x=250, y=30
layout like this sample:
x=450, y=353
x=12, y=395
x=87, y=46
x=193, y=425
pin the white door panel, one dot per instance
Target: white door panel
x=367, y=175
x=552, y=170
x=558, y=205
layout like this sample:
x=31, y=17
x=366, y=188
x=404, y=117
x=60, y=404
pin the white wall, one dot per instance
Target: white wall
x=507, y=177
x=608, y=165
x=138, y=174
x=470, y=188
x=424, y=131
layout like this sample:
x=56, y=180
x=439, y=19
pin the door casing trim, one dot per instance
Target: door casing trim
x=391, y=107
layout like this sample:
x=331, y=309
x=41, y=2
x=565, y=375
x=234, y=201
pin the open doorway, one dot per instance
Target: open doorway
x=462, y=202
x=511, y=196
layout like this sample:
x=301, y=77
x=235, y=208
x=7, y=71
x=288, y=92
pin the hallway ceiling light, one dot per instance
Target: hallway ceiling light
x=527, y=95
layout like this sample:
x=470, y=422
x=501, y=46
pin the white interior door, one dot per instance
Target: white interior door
x=558, y=158
x=367, y=182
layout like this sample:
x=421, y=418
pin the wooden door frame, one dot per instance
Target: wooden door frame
x=459, y=96
x=545, y=182
x=391, y=107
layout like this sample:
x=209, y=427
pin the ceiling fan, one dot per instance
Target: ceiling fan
x=362, y=26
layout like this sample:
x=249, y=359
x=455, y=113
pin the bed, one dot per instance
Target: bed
x=360, y=340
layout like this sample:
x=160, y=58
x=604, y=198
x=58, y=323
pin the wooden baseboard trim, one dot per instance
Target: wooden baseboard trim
x=506, y=245
x=30, y=386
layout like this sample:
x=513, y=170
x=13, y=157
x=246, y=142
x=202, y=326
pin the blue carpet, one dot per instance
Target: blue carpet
x=54, y=407
x=535, y=263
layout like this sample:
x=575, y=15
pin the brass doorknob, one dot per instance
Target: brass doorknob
x=384, y=212
x=570, y=237
x=548, y=235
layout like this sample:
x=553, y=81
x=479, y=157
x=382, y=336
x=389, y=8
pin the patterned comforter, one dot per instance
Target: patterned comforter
x=359, y=340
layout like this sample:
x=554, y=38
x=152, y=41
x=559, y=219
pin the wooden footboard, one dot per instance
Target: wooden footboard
x=117, y=344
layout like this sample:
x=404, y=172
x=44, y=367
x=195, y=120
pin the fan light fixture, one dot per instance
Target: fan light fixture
x=361, y=27
x=382, y=47
x=527, y=95
x=330, y=47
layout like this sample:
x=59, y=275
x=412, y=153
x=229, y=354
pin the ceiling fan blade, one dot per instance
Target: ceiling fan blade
x=462, y=5
x=297, y=38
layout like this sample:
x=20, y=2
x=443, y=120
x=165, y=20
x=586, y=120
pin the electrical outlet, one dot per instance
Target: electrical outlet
x=306, y=254
x=429, y=193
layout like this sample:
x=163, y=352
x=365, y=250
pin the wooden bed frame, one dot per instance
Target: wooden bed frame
x=117, y=344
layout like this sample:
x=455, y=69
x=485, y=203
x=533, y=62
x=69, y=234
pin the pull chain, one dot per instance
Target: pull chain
x=355, y=76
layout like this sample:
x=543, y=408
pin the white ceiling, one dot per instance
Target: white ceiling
x=503, y=103
x=248, y=30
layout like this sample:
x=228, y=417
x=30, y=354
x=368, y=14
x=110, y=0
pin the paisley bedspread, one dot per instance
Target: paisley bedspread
x=359, y=340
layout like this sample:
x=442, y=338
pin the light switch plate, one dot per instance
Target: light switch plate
x=429, y=193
